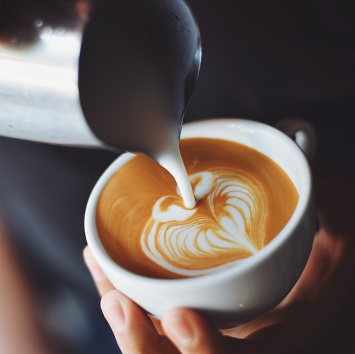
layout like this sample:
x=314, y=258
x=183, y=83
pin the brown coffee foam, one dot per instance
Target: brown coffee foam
x=126, y=203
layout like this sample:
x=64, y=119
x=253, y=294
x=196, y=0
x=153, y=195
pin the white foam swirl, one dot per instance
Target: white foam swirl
x=190, y=243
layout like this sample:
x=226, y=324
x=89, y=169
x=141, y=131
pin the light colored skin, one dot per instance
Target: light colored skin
x=302, y=319
x=19, y=327
x=300, y=324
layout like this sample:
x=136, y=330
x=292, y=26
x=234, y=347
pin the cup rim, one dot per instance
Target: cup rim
x=93, y=238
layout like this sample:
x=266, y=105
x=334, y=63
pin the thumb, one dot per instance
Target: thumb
x=191, y=334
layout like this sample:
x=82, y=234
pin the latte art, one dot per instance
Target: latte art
x=187, y=243
x=243, y=201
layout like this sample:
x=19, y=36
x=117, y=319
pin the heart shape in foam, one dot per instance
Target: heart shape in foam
x=227, y=225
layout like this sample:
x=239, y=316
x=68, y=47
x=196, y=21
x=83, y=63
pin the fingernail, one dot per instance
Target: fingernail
x=114, y=311
x=181, y=329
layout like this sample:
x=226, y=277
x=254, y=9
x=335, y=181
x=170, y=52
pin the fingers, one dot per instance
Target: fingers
x=191, y=334
x=136, y=333
x=101, y=281
x=133, y=329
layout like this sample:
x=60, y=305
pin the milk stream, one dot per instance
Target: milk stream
x=189, y=243
x=171, y=160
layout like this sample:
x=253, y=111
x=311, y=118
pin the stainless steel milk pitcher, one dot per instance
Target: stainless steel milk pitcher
x=39, y=98
x=42, y=95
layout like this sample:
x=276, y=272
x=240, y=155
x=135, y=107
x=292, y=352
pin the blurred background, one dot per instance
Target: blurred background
x=262, y=60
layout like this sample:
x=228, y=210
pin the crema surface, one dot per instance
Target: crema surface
x=244, y=199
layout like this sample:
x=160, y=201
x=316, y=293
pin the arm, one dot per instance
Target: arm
x=19, y=328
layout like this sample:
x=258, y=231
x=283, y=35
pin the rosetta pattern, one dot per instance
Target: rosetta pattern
x=231, y=227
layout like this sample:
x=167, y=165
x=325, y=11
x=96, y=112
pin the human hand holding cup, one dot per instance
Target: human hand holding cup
x=244, y=290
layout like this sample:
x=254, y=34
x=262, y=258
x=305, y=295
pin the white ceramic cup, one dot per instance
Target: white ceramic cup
x=255, y=285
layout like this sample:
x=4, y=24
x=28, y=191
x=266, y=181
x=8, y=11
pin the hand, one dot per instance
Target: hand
x=297, y=323
x=309, y=320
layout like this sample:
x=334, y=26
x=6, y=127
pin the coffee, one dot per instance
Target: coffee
x=244, y=199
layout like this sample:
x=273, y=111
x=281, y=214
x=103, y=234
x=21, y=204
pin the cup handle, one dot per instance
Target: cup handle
x=301, y=132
